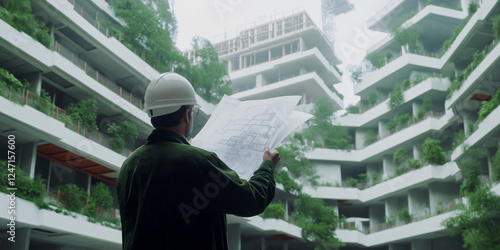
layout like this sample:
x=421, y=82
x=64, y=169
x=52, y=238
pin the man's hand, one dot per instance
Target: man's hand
x=273, y=156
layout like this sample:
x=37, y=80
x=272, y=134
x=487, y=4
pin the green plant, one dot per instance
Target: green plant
x=29, y=189
x=121, y=132
x=391, y=220
x=376, y=59
x=426, y=107
x=407, y=35
x=400, y=156
x=478, y=223
x=373, y=98
x=288, y=183
x=274, y=210
x=85, y=112
x=352, y=109
x=370, y=137
x=17, y=13
x=101, y=194
x=433, y=152
x=458, y=138
x=488, y=106
x=374, y=177
x=405, y=216
x=396, y=98
x=403, y=119
x=351, y=182
x=45, y=104
x=413, y=163
x=363, y=178
x=470, y=167
x=418, y=79
x=495, y=166
x=472, y=8
x=405, y=84
x=72, y=197
x=391, y=124
x=496, y=27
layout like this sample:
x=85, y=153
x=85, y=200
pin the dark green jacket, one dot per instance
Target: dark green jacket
x=176, y=196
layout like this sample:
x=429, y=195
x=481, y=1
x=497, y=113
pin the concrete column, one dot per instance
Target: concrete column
x=441, y=194
x=359, y=138
x=376, y=214
x=22, y=239
x=302, y=45
x=260, y=81
x=415, y=107
x=35, y=80
x=302, y=71
x=418, y=202
x=263, y=243
x=416, y=154
x=466, y=118
x=234, y=236
x=28, y=158
x=89, y=185
x=421, y=244
x=381, y=129
x=303, y=100
x=286, y=210
x=388, y=166
x=285, y=246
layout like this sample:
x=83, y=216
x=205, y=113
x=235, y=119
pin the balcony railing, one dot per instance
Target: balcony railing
x=96, y=75
x=27, y=97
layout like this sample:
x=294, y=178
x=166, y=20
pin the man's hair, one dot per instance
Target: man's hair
x=171, y=119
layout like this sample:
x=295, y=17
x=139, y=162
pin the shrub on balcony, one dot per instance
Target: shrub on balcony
x=353, y=109
x=370, y=137
x=85, y=112
x=29, y=189
x=403, y=119
x=377, y=59
x=72, y=197
x=373, y=98
x=495, y=166
x=374, y=177
x=470, y=167
x=407, y=35
x=426, y=107
x=488, y=106
x=405, y=216
x=400, y=156
x=458, y=138
x=121, y=132
x=17, y=13
x=433, y=152
x=397, y=97
x=274, y=210
x=100, y=198
x=496, y=27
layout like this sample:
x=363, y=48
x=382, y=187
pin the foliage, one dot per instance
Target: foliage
x=405, y=84
x=11, y=81
x=496, y=27
x=413, y=163
x=447, y=44
x=121, y=132
x=209, y=76
x=391, y=124
x=353, y=109
x=426, y=107
x=45, y=104
x=406, y=35
x=73, y=197
x=405, y=216
x=418, y=79
x=488, y=106
x=458, y=138
x=101, y=194
x=374, y=177
x=351, y=182
x=373, y=98
x=297, y=166
x=323, y=130
x=376, y=59
x=472, y=8
x=397, y=97
x=363, y=178
x=478, y=222
x=400, y=156
x=318, y=224
x=495, y=166
x=274, y=210
x=358, y=72
x=370, y=137
x=85, y=112
x=17, y=13
x=29, y=189
x=433, y=152
x=470, y=166
x=403, y=119
x=288, y=183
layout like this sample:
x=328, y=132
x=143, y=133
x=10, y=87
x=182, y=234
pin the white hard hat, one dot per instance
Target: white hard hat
x=166, y=94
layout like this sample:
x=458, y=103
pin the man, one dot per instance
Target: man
x=176, y=196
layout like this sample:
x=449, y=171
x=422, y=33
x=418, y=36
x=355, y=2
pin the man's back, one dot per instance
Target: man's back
x=175, y=196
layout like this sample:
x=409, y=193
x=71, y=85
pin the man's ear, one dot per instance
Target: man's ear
x=185, y=116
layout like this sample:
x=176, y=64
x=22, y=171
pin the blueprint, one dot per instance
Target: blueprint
x=238, y=131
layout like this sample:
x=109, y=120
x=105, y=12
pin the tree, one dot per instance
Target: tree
x=318, y=222
x=208, y=75
x=433, y=152
x=274, y=210
x=479, y=221
x=85, y=112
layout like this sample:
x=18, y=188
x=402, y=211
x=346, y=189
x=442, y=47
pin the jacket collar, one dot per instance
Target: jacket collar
x=160, y=135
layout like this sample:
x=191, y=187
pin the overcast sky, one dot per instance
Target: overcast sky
x=213, y=18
